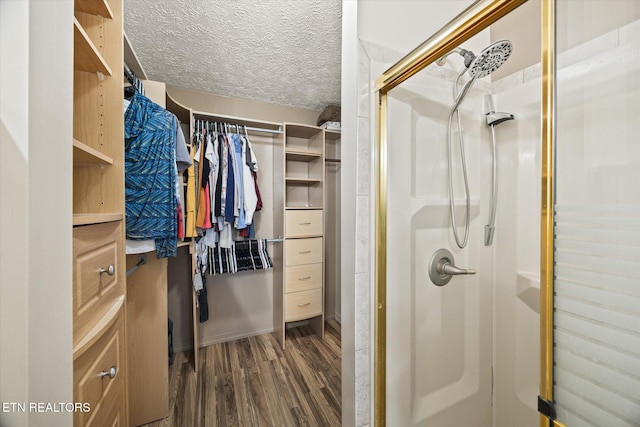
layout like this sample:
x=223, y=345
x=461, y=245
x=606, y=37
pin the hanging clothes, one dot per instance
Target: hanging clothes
x=190, y=208
x=151, y=174
x=228, y=193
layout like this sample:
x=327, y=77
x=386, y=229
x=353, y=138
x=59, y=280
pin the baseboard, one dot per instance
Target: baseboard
x=229, y=336
x=236, y=335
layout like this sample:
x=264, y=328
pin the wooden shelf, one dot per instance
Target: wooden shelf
x=302, y=156
x=302, y=131
x=86, y=56
x=132, y=61
x=94, y=7
x=332, y=134
x=234, y=120
x=303, y=181
x=96, y=218
x=301, y=208
x=82, y=153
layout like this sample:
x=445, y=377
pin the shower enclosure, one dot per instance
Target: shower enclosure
x=467, y=321
x=462, y=340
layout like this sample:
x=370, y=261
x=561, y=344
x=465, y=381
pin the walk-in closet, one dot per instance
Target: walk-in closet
x=206, y=234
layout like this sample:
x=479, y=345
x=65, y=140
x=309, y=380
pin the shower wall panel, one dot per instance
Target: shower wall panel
x=438, y=338
x=516, y=251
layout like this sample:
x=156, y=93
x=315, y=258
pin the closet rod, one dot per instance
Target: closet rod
x=274, y=131
x=249, y=128
x=142, y=259
x=278, y=240
x=332, y=160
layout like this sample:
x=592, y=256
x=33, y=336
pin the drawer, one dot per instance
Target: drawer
x=97, y=273
x=302, y=305
x=303, y=251
x=303, y=223
x=303, y=277
x=105, y=395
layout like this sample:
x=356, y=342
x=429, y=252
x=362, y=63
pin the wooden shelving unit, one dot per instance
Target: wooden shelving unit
x=86, y=57
x=82, y=153
x=301, y=172
x=99, y=288
x=93, y=7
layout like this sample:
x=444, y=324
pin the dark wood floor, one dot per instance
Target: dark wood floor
x=251, y=382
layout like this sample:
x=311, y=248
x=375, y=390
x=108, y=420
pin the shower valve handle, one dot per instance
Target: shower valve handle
x=442, y=268
x=452, y=270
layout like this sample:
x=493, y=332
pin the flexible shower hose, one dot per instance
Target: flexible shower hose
x=458, y=98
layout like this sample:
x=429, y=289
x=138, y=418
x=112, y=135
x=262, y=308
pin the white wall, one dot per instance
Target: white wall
x=516, y=249
x=402, y=25
x=14, y=151
x=36, y=60
x=348, y=206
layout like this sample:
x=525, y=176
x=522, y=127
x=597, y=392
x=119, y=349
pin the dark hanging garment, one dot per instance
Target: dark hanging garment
x=229, y=214
x=203, y=302
x=218, y=206
x=255, y=183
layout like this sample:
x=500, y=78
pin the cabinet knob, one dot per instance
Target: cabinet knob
x=111, y=373
x=304, y=223
x=111, y=270
x=304, y=252
x=304, y=305
x=304, y=278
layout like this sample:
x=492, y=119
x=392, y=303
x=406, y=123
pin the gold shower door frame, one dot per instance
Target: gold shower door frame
x=471, y=21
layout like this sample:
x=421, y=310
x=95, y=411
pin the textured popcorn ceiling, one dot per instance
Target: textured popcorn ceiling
x=285, y=52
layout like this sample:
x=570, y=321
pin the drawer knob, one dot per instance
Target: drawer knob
x=304, y=223
x=304, y=252
x=304, y=278
x=304, y=305
x=111, y=270
x=111, y=373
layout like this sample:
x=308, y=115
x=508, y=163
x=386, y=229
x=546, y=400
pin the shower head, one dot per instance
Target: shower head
x=489, y=59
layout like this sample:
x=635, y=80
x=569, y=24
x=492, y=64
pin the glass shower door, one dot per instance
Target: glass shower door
x=596, y=324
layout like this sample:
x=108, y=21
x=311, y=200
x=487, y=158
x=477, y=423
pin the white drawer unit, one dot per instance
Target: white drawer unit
x=302, y=305
x=299, y=281
x=97, y=273
x=303, y=251
x=98, y=376
x=303, y=223
x=303, y=277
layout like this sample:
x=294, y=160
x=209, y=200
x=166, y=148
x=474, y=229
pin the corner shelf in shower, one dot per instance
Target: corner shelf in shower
x=528, y=289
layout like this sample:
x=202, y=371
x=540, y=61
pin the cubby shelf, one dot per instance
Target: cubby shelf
x=82, y=153
x=303, y=181
x=300, y=208
x=330, y=134
x=94, y=7
x=302, y=156
x=86, y=56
